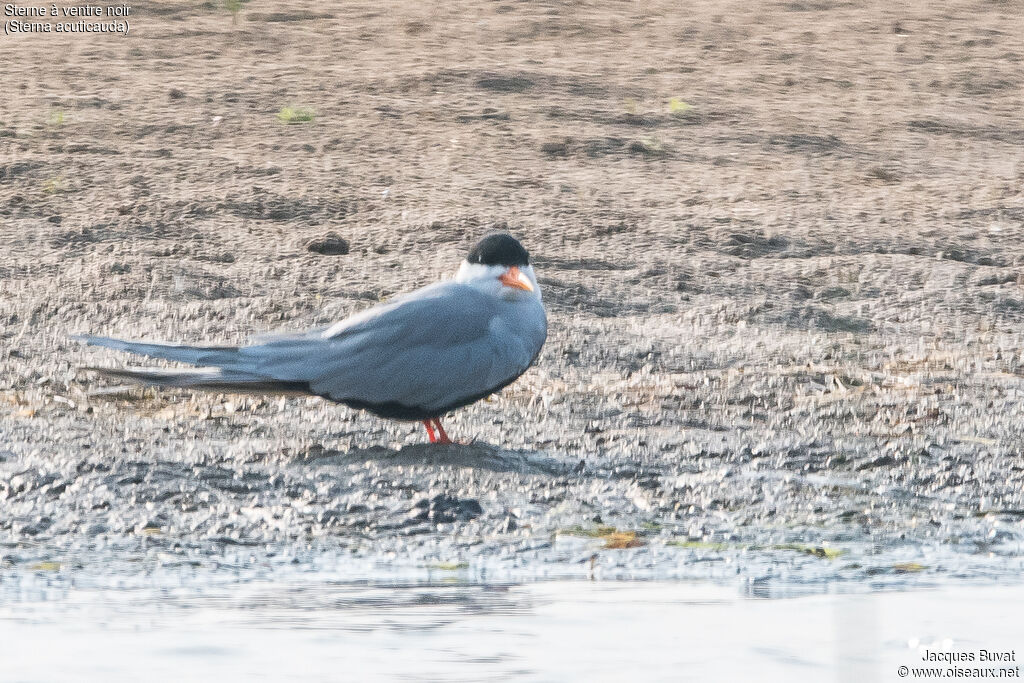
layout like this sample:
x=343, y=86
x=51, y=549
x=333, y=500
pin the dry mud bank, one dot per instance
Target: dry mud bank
x=780, y=245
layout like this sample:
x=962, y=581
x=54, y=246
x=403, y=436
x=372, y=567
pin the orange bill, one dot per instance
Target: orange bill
x=513, y=277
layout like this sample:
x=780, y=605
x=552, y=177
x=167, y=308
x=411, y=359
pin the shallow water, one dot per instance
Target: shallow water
x=285, y=622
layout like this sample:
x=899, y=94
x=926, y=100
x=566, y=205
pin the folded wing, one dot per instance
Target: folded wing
x=437, y=348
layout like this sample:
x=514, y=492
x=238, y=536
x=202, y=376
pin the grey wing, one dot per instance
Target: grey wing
x=430, y=349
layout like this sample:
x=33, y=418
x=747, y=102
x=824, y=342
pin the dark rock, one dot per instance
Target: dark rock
x=330, y=244
x=556, y=148
x=507, y=84
x=442, y=509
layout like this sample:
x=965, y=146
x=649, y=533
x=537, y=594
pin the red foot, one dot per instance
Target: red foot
x=434, y=438
x=444, y=435
x=430, y=431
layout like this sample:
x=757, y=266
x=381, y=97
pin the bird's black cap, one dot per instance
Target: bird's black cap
x=499, y=249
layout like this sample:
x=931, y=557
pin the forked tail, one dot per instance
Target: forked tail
x=227, y=379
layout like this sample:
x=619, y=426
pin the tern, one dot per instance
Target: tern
x=417, y=357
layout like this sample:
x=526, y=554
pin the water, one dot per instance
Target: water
x=280, y=624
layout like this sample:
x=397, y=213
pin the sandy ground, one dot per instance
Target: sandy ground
x=780, y=244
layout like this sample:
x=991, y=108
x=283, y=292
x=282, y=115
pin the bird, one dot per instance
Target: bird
x=417, y=357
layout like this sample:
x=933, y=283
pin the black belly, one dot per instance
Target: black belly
x=394, y=410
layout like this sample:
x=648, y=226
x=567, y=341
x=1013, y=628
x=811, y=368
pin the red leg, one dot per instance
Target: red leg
x=430, y=431
x=444, y=435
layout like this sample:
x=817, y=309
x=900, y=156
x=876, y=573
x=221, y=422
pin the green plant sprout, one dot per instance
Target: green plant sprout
x=295, y=115
x=233, y=6
x=54, y=185
x=677, y=107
